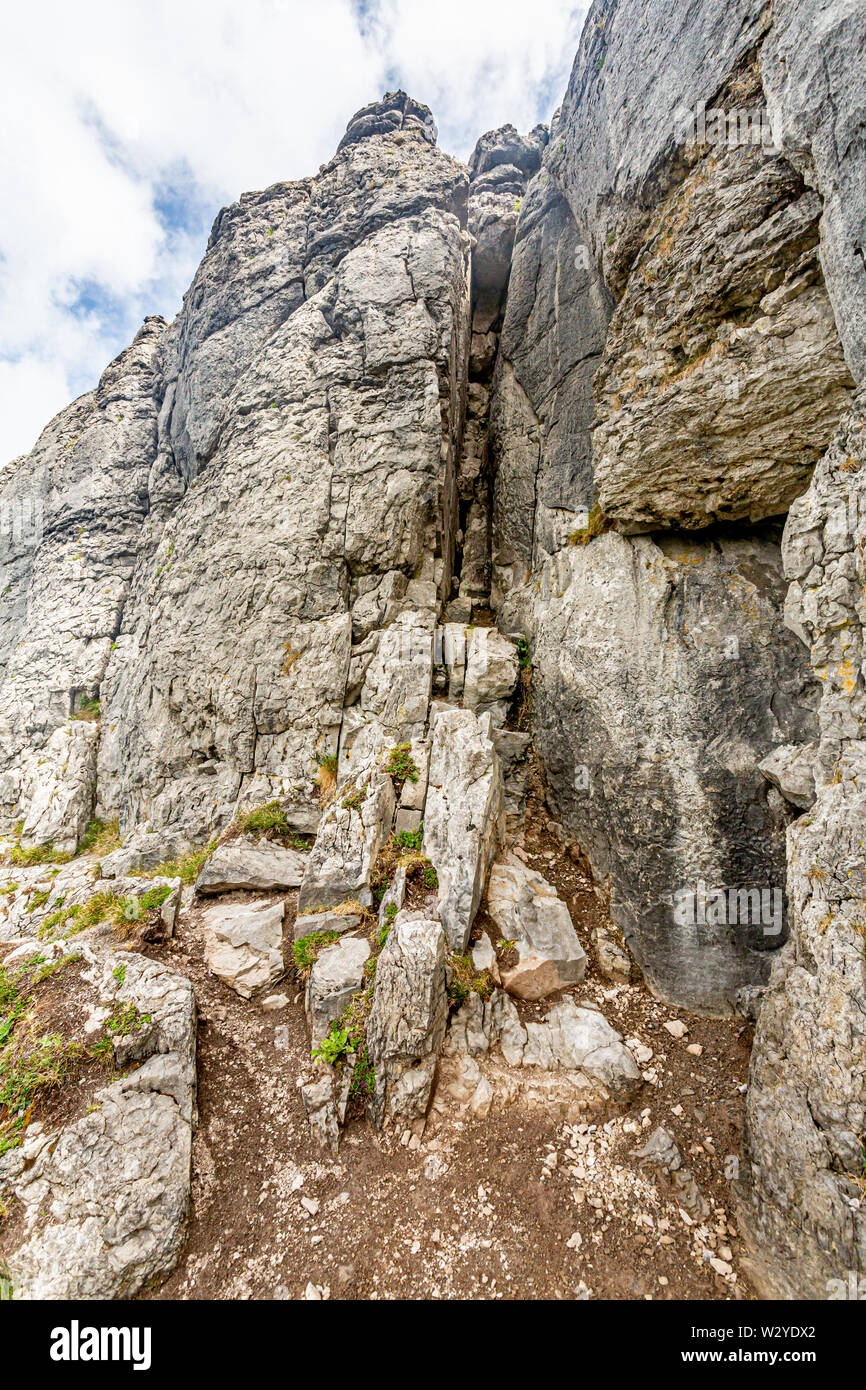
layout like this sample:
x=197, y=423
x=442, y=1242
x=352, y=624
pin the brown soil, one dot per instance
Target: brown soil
x=478, y=1208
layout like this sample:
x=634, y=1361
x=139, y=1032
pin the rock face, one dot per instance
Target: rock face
x=337, y=974
x=806, y=1108
x=576, y=385
x=114, y=1185
x=407, y=1020
x=665, y=675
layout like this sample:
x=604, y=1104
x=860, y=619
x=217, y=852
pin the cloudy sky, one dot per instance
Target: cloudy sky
x=129, y=123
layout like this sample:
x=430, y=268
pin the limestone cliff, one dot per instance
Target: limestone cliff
x=592, y=406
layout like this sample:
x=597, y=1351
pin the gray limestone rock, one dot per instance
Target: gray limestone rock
x=243, y=944
x=529, y=912
x=407, y=1019
x=105, y=1198
x=463, y=818
x=336, y=976
x=261, y=867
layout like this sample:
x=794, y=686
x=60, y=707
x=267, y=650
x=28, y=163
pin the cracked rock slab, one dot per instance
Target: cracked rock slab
x=239, y=864
x=243, y=944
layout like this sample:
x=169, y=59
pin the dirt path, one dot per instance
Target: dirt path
x=521, y=1204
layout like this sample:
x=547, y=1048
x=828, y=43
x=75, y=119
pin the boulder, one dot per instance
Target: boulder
x=336, y=976
x=310, y=923
x=463, y=817
x=352, y=830
x=528, y=911
x=240, y=864
x=580, y=1039
x=243, y=944
x=790, y=767
x=492, y=668
x=407, y=1019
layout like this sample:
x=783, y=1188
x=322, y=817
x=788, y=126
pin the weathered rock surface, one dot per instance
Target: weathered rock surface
x=569, y=1038
x=335, y=977
x=65, y=572
x=352, y=829
x=663, y=675
x=710, y=412
x=529, y=912
x=258, y=867
x=801, y=1197
x=308, y=924
x=106, y=1198
x=407, y=1019
x=463, y=819
x=243, y=943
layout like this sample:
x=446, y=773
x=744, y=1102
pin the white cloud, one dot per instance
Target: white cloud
x=127, y=126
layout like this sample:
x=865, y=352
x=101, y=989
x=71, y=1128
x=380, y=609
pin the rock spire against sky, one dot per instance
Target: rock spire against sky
x=133, y=124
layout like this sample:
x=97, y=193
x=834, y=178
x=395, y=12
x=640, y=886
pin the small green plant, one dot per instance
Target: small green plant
x=431, y=878
x=187, y=866
x=8, y=889
x=154, y=897
x=124, y=1020
x=463, y=980
x=411, y=839
x=353, y=801
x=37, y=900
x=334, y=1047
x=363, y=1084
x=37, y=854
x=101, y=837
x=401, y=766
x=119, y=974
x=523, y=656
x=305, y=951
x=88, y=711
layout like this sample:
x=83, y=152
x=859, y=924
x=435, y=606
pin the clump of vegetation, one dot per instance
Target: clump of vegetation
x=352, y=801
x=401, y=766
x=334, y=1047
x=464, y=979
x=37, y=854
x=104, y=907
x=347, y=1039
x=31, y=1064
x=88, y=711
x=306, y=951
x=38, y=899
x=270, y=822
x=101, y=837
x=291, y=657
x=597, y=524
x=187, y=866
x=326, y=778
x=523, y=657
x=411, y=839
